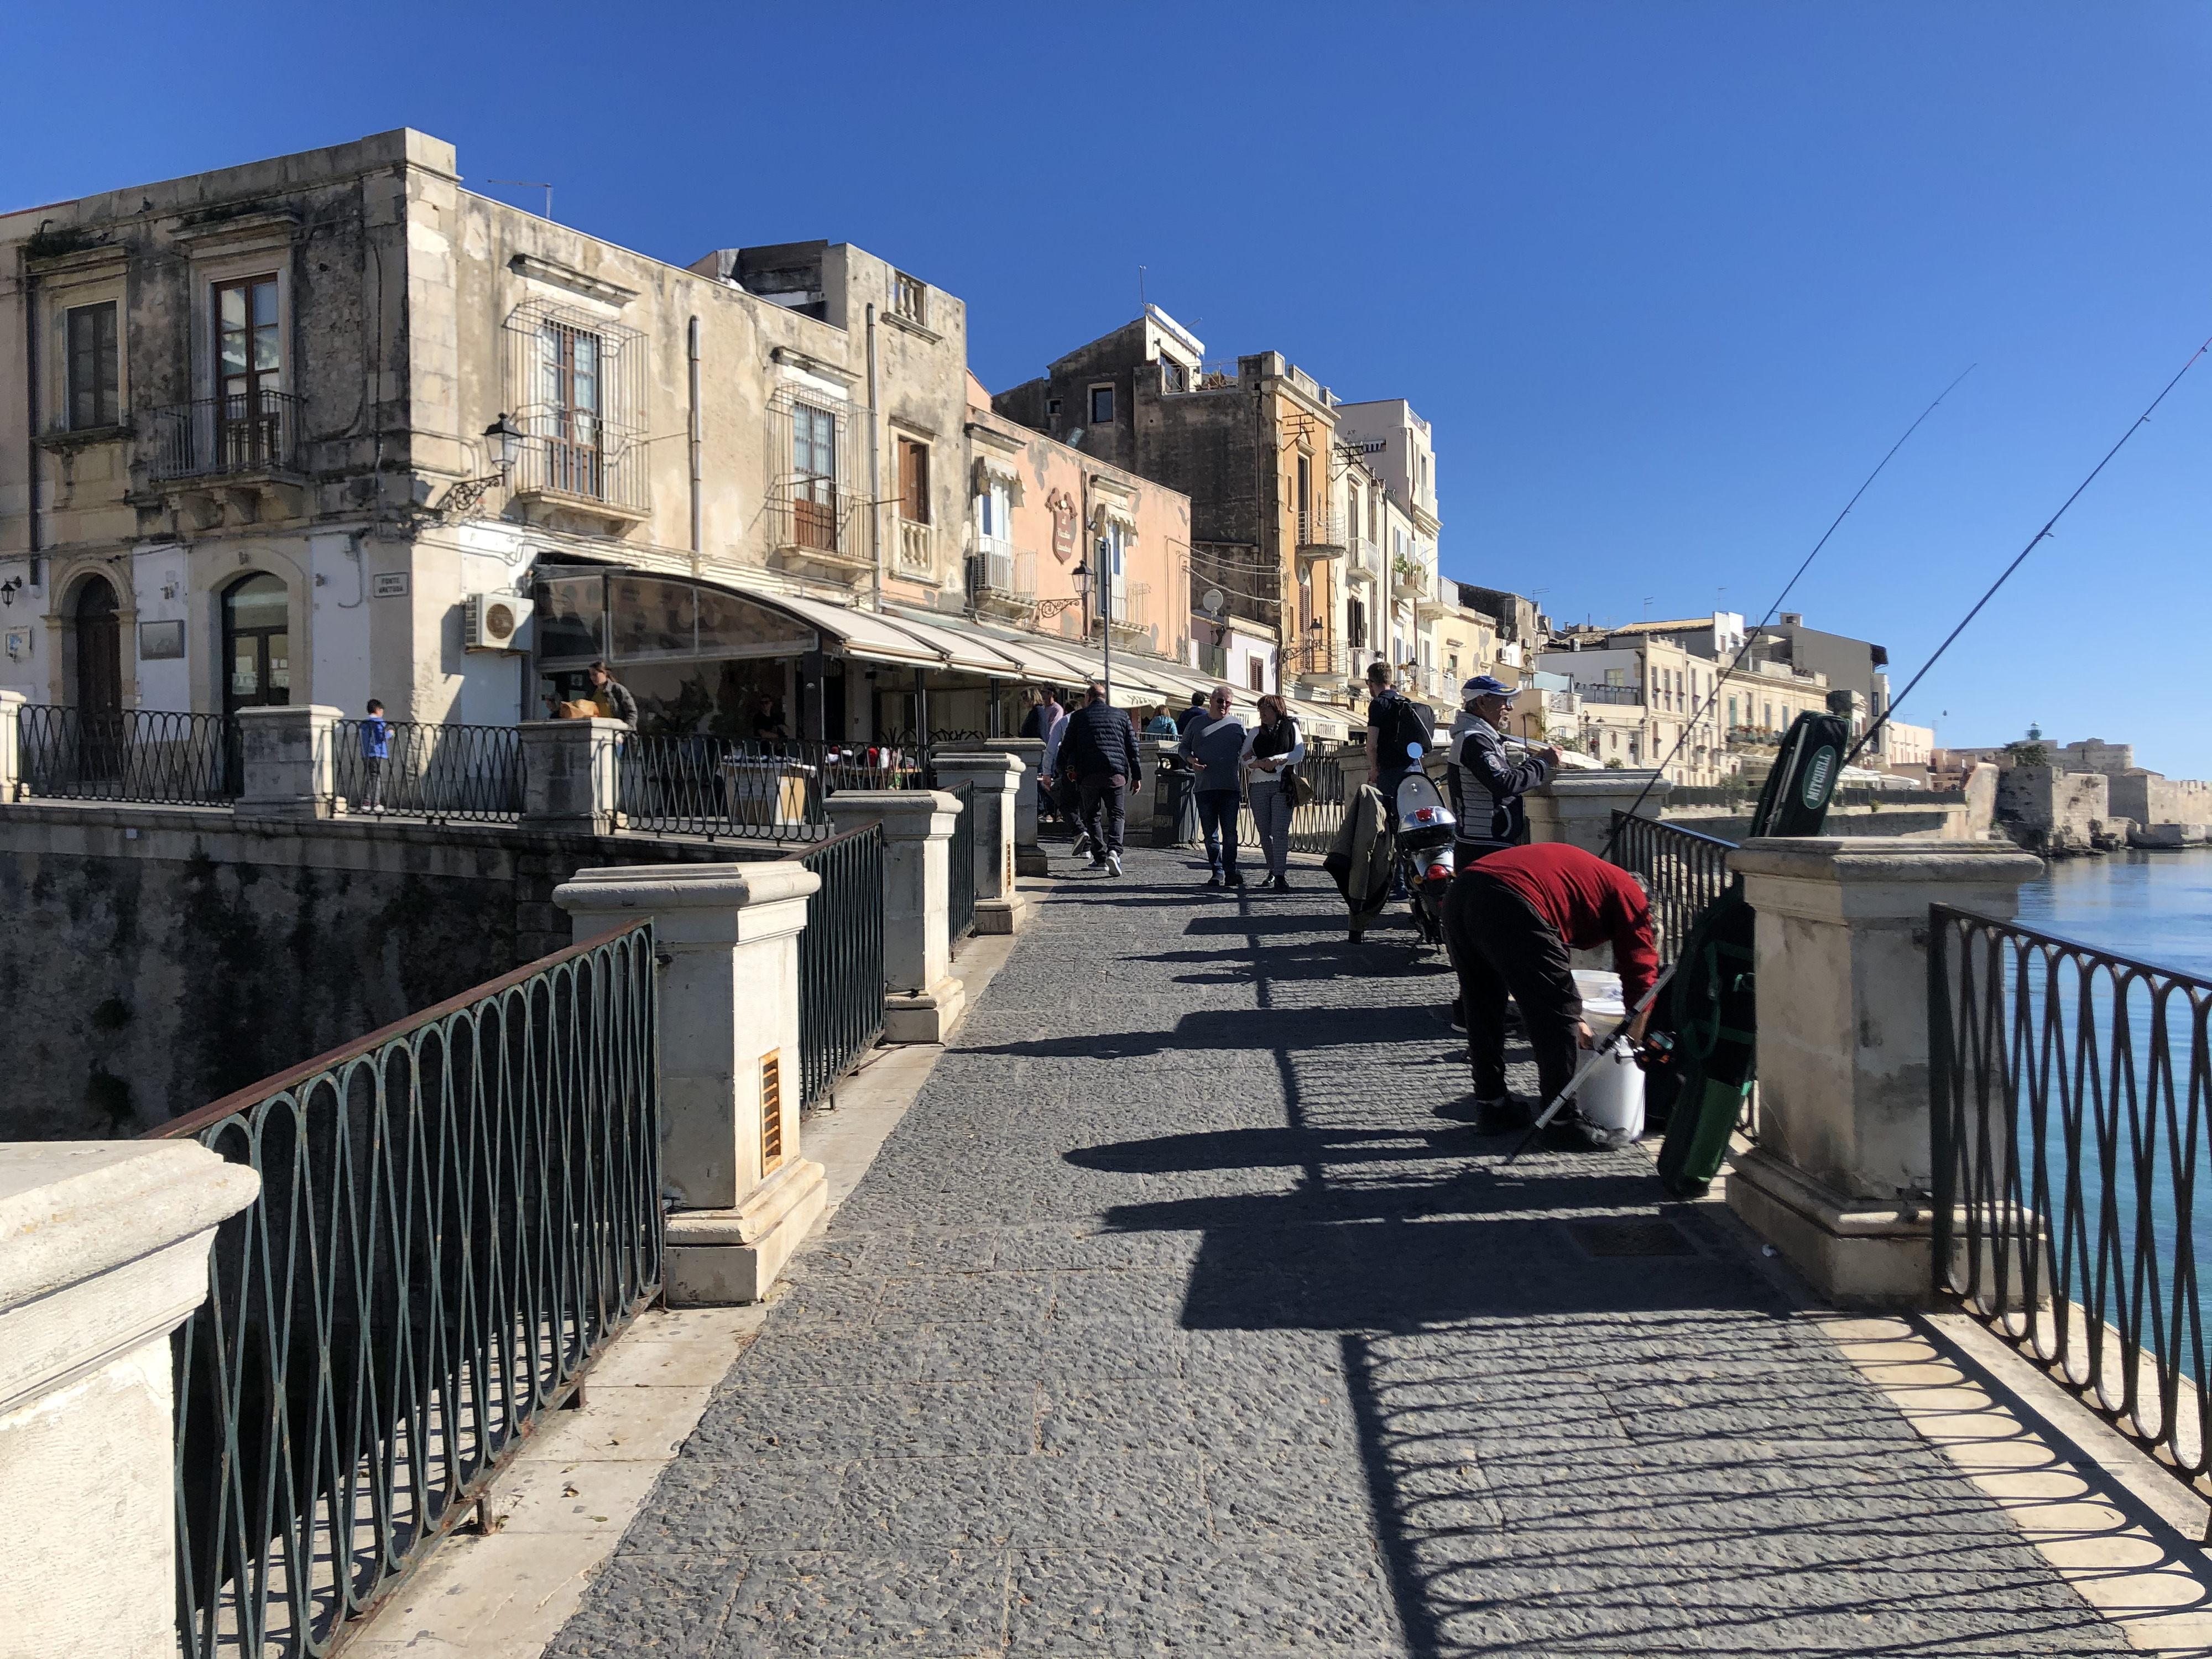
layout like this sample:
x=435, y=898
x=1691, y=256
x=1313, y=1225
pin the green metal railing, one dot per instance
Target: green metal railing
x=840, y=959
x=960, y=868
x=457, y=1213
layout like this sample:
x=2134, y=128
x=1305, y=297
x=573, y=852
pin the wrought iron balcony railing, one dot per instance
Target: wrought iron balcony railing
x=1000, y=570
x=1363, y=562
x=247, y=432
x=1318, y=529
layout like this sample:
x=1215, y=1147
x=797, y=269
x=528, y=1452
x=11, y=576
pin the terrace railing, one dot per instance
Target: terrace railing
x=453, y=773
x=1683, y=872
x=127, y=755
x=840, y=959
x=2069, y=1096
x=960, y=867
x=720, y=787
x=456, y=1214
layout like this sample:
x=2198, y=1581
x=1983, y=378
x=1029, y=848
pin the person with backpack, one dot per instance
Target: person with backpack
x=1393, y=722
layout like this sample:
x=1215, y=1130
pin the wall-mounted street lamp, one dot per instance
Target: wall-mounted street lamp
x=503, y=442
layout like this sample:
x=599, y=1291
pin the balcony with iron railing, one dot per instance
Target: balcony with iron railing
x=1321, y=534
x=256, y=432
x=1001, y=577
x=1626, y=696
x=1127, y=607
x=1363, y=560
x=811, y=523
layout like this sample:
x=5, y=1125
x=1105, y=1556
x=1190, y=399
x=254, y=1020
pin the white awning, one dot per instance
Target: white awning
x=858, y=634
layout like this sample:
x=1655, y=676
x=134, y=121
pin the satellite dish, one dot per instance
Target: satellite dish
x=1211, y=602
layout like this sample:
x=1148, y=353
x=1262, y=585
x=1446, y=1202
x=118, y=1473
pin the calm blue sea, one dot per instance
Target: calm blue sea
x=2155, y=907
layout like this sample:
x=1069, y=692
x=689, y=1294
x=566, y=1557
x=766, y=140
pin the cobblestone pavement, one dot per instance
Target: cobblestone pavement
x=1181, y=1315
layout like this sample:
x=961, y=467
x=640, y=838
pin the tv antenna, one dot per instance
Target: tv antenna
x=530, y=183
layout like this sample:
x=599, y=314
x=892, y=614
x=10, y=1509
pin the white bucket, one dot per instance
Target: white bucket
x=1612, y=1099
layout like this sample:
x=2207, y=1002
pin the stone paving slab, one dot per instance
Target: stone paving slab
x=1184, y=1314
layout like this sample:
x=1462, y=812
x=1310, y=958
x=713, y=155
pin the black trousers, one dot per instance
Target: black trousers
x=1105, y=809
x=1501, y=947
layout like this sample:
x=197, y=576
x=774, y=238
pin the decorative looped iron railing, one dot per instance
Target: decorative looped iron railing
x=840, y=958
x=242, y=432
x=456, y=1214
x=721, y=787
x=1682, y=871
x=428, y=770
x=960, y=867
x=127, y=755
x=2068, y=1094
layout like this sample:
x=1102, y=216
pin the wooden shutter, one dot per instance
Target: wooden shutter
x=913, y=481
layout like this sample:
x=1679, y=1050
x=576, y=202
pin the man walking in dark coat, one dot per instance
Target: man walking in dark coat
x=1098, y=749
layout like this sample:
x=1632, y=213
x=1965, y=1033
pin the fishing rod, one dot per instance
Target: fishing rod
x=1751, y=635
x=2021, y=556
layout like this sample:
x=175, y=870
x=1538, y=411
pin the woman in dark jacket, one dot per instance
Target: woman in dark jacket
x=1270, y=752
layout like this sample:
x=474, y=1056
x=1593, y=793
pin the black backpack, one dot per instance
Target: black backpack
x=1411, y=722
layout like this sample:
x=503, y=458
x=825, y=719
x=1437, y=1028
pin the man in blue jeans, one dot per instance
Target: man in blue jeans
x=1215, y=749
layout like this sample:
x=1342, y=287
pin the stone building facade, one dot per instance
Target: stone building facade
x=276, y=433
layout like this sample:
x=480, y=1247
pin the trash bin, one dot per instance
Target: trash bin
x=1176, y=822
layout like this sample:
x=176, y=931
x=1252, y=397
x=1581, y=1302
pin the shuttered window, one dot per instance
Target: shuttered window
x=95, y=371
x=913, y=481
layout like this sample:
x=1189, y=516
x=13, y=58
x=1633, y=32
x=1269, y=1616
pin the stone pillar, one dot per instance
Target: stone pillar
x=999, y=906
x=289, y=761
x=731, y=1071
x=922, y=1002
x=1028, y=854
x=103, y=1253
x=568, y=773
x=11, y=747
x=1839, y=1182
x=1577, y=806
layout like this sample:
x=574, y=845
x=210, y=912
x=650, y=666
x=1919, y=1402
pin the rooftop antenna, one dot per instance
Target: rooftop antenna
x=1143, y=306
x=1647, y=607
x=530, y=183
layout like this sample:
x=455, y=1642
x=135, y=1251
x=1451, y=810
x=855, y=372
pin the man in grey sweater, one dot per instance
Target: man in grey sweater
x=1215, y=748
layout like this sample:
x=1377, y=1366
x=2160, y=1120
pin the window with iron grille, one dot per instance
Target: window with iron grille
x=909, y=298
x=569, y=393
x=575, y=385
x=95, y=369
x=814, y=469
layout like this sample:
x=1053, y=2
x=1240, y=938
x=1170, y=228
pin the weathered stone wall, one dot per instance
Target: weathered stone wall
x=160, y=958
x=2149, y=799
x=2047, y=810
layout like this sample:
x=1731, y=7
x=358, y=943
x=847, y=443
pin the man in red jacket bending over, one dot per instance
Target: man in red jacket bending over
x=1510, y=922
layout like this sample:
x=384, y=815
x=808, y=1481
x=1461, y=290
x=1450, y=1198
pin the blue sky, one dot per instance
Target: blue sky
x=1667, y=279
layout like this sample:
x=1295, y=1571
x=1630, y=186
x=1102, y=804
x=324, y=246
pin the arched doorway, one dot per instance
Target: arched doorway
x=257, y=644
x=99, y=652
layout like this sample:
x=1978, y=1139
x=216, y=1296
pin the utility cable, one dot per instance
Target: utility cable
x=1751, y=635
x=2021, y=556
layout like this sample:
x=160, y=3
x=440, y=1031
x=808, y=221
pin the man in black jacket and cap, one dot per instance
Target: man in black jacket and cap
x=1099, y=750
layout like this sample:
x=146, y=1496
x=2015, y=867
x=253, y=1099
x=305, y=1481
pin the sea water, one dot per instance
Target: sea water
x=2154, y=908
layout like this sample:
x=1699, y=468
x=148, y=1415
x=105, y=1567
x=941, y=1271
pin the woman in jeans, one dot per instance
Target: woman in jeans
x=1269, y=753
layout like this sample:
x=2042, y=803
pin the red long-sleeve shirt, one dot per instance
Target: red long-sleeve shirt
x=1589, y=900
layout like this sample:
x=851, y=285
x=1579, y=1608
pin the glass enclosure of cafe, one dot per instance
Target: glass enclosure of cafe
x=703, y=660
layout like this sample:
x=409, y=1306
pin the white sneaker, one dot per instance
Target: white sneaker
x=1113, y=864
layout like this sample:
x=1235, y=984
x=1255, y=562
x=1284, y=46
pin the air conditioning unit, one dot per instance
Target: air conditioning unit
x=495, y=621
